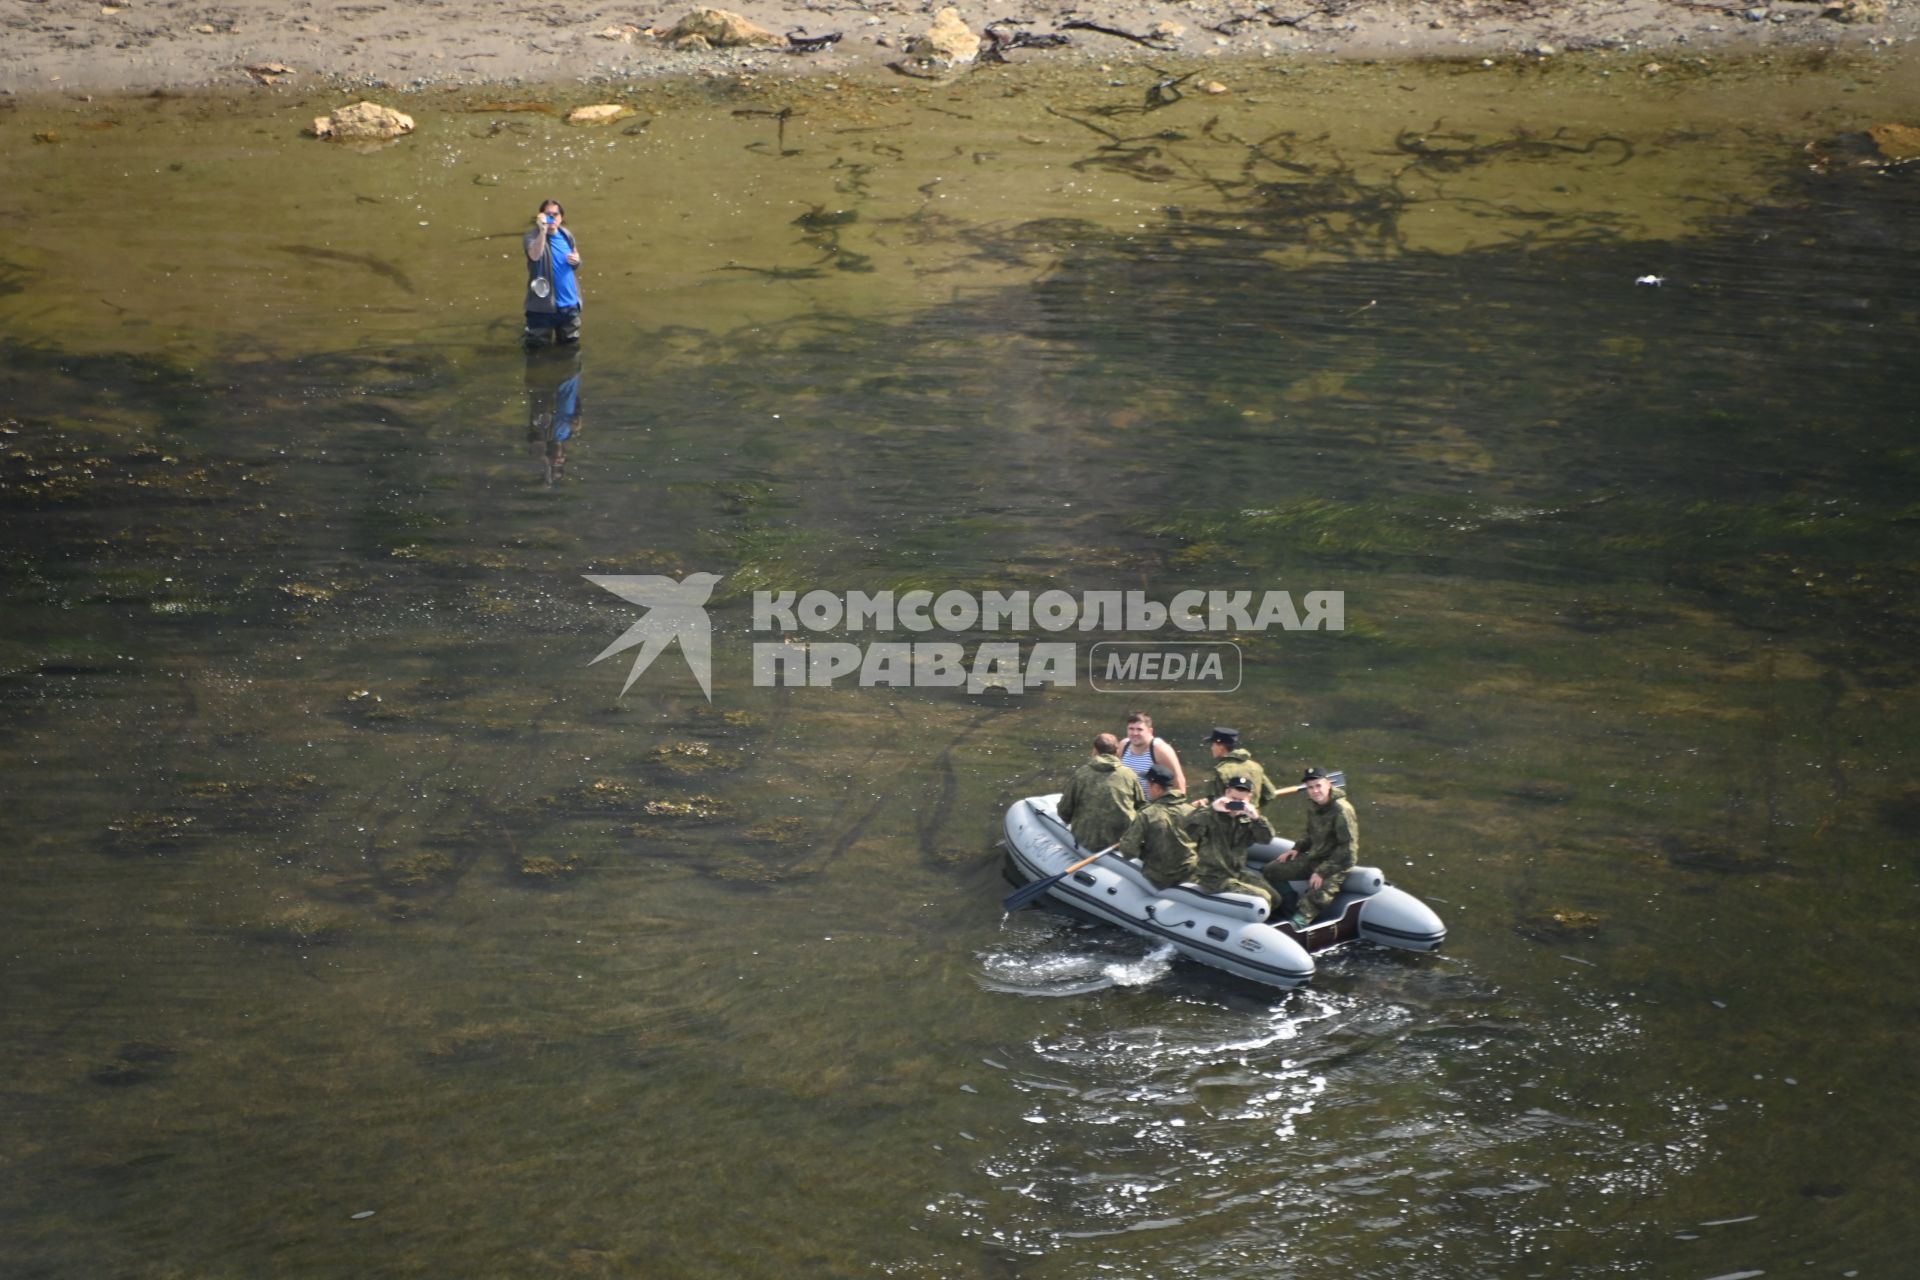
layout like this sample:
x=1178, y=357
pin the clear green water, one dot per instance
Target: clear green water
x=330, y=881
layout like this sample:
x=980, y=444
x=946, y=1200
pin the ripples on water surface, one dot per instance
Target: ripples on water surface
x=1387, y=1111
x=337, y=882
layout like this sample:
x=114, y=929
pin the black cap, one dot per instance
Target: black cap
x=1158, y=776
x=1240, y=782
x=1221, y=734
x=1311, y=774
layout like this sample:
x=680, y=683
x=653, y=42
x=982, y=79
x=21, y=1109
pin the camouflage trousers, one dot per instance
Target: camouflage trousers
x=1309, y=903
x=1249, y=884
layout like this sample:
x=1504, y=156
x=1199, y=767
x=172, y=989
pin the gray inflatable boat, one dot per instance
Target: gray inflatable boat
x=1229, y=931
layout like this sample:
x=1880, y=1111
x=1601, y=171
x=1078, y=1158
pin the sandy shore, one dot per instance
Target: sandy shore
x=87, y=46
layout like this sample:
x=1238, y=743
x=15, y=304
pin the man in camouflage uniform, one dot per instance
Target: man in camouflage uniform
x=1231, y=760
x=1222, y=831
x=1101, y=797
x=1157, y=837
x=1324, y=854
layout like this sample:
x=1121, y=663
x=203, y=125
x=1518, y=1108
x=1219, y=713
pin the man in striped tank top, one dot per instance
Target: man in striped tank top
x=1144, y=751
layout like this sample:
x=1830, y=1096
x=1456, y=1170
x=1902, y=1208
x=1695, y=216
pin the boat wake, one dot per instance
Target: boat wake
x=1226, y=1129
x=1048, y=964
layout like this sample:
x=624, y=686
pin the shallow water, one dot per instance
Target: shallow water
x=332, y=884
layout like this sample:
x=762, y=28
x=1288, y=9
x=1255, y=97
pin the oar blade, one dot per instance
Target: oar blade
x=1336, y=778
x=1030, y=893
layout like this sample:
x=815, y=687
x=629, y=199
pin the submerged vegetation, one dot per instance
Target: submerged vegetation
x=325, y=826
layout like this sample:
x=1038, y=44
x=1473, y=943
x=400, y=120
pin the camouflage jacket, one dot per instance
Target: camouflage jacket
x=1235, y=763
x=1332, y=841
x=1221, y=842
x=1158, y=838
x=1100, y=801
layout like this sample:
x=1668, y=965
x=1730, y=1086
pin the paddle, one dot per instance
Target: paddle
x=1029, y=892
x=1336, y=779
x=1033, y=891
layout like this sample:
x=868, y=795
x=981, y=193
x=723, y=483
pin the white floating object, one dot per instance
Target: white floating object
x=1655, y=281
x=364, y=1213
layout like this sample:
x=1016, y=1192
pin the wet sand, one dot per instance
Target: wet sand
x=78, y=47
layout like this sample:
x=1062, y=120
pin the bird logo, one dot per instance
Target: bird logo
x=675, y=611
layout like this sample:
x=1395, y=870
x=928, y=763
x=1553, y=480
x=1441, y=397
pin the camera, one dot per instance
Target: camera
x=1236, y=804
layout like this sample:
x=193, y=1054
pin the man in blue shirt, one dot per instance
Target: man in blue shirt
x=553, y=288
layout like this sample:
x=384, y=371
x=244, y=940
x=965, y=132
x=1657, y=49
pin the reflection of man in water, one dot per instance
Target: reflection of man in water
x=553, y=410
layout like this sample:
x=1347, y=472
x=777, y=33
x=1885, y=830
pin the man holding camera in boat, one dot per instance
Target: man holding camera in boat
x=1158, y=836
x=1322, y=857
x=1101, y=797
x=1222, y=831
